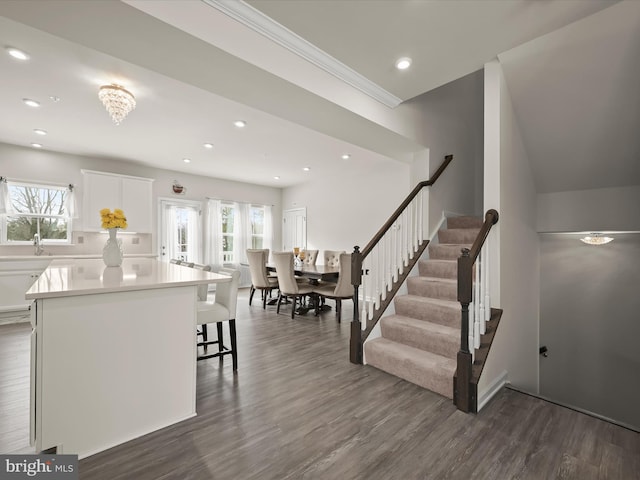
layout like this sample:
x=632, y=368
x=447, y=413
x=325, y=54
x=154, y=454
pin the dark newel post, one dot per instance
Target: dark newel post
x=465, y=295
x=355, y=351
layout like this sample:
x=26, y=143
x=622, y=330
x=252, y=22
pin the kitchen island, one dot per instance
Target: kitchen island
x=113, y=351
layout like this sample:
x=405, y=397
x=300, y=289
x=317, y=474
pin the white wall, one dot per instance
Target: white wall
x=515, y=347
x=616, y=209
x=18, y=163
x=344, y=211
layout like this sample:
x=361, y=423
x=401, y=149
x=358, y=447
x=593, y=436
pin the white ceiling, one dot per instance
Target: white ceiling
x=194, y=70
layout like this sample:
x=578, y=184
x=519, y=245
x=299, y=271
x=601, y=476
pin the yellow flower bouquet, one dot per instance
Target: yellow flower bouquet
x=115, y=219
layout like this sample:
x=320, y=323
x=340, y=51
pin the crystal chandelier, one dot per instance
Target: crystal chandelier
x=596, y=239
x=117, y=100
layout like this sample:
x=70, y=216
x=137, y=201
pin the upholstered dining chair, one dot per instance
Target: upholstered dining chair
x=221, y=309
x=341, y=290
x=332, y=257
x=310, y=257
x=287, y=281
x=260, y=280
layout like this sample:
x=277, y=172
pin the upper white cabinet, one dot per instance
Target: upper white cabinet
x=108, y=190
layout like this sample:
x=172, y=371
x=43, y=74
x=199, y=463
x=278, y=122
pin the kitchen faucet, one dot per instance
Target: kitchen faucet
x=36, y=242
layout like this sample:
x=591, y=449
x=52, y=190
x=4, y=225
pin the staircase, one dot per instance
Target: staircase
x=420, y=342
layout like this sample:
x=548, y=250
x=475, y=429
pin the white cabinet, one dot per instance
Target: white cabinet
x=107, y=190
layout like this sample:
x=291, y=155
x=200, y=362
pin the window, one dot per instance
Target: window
x=257, y=216
x=36, y=209
x=231, y=216
x=227, y=217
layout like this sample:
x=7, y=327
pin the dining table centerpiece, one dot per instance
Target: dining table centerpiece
x=112, y=253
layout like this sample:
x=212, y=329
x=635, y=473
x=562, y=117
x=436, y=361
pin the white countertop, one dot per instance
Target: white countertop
x=68, y=256
x=71, y=277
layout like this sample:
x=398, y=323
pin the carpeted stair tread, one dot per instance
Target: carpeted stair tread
x=443, y=312
x=433, y=287
x=438, y=268
x=447, y=251
x=465, y=222
x=458, y=235
x=428, y=336
x=426, y=369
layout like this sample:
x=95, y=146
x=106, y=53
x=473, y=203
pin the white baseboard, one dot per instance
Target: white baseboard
x=496, y=385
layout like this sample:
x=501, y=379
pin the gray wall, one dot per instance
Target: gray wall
x=590, y=321
x=449, y=120
x=599, y=209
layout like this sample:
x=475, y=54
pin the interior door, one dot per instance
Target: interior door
x=294, y=229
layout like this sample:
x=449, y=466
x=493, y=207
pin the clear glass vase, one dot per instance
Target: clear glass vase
x=112, y=252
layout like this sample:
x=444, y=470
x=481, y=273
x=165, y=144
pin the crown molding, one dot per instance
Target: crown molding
x=261, y=23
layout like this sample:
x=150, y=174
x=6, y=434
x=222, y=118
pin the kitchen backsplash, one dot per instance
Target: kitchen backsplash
x=86, y=243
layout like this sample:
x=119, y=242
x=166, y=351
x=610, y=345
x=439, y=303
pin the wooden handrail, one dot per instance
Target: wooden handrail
x=425, y=183
x=463, y=396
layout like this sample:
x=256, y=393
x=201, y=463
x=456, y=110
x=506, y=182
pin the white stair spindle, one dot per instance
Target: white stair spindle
x=487, y=298
x=420, y=219
x=410, y=232
x=376, y=275
x=479, y=297
x=389, y=236
x=483, y=267
x=383, y=267
x=363, y=289
x=394, y=252
x=476, y=332
x=472, y=316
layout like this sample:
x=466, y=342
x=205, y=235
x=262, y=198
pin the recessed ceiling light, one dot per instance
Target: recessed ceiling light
x=31, y=103
x=16, y=53
x=186, y=160
x=346, y=156
x=276, y=177
x=39, y=131
x=208, y=145
x=36, y=145
x=306, y=169
x=240, y=123
x=403, y=63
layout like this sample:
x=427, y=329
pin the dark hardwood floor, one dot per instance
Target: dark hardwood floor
x=298, y=409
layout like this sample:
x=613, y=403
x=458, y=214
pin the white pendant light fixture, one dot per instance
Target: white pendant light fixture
x=596, y=239
x=117, y=100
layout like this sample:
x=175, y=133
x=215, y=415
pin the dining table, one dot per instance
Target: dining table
x=315, y=274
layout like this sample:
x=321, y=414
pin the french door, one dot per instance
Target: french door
x=180, y=230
